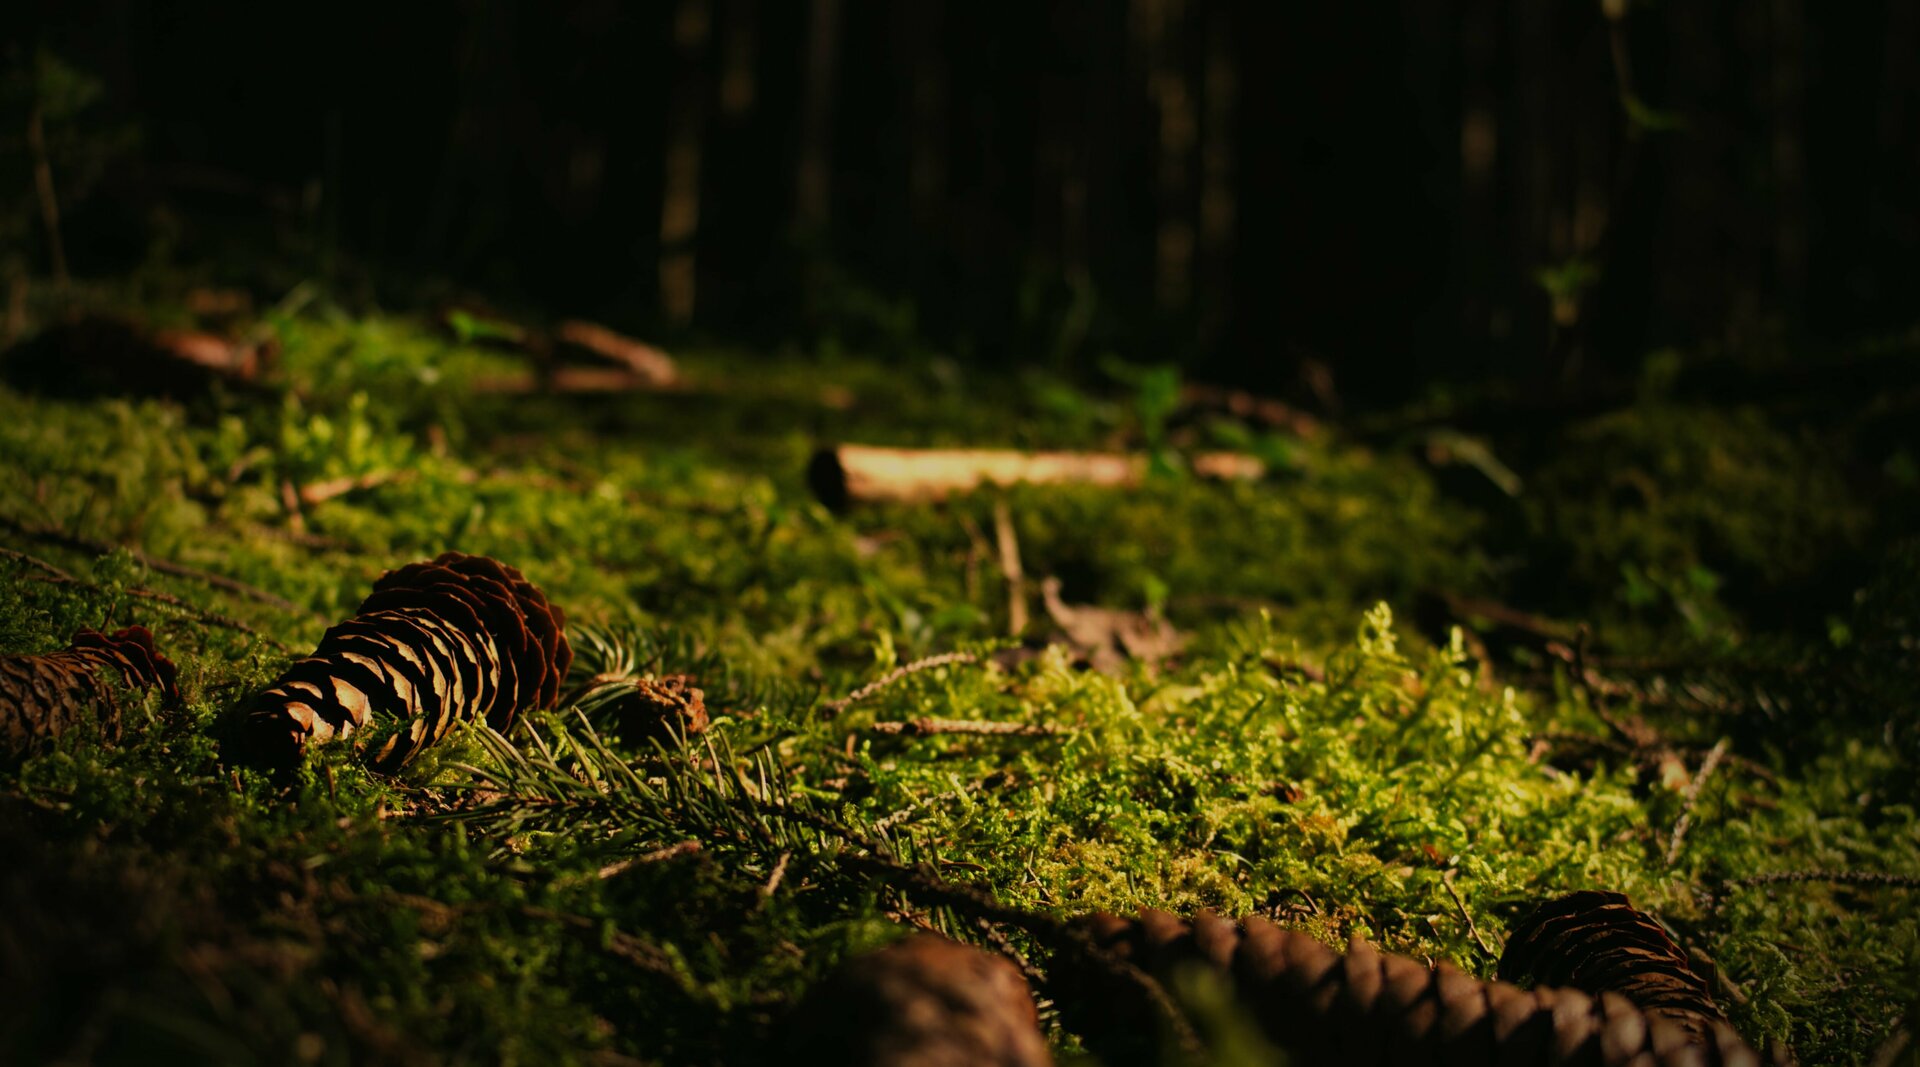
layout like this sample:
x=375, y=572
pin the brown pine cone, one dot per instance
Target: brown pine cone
x=42, y=697
x=1599, y=943
x=1367, y=1008
x=662, y=708
x=455, y=640
x=922, y=1002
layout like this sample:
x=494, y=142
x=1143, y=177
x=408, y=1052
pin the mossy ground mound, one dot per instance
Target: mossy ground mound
x=531, y=898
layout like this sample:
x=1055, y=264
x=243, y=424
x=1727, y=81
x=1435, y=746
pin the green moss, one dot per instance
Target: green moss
x=186, y=907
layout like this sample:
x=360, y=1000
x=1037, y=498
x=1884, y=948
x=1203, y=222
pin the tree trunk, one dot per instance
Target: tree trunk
x=1479, y=148
x=739, y=83
x=680, y=197
x=1218, y=208
x=1788, y=85
x=1159, y=25
x=813, y=184
x=43, y=188
x=927, y=154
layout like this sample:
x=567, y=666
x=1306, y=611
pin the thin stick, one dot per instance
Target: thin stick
x=930, y=727
x=43, y=185
x=1691, y=797
x=881, y=826
x=1879, y=878
x=779, y=872
x=656, y=856
x=60, y=577
x=1036, y=978
x=1446, y=880
x=315, y=493
x=835, y=707
x=178, y=570
x=1009, y=545
x=616, y=942
x=1731, y=759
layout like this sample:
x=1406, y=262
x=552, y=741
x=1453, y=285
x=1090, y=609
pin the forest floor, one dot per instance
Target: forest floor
x=1433, y=668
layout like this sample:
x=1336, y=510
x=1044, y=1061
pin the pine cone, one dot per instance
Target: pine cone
x=42, y=697
x=1366, y=1008
x=456, y=640
x=1599, y=943
x=664, y=707
x=922, y=1002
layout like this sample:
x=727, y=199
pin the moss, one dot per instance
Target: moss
x=1307, y=757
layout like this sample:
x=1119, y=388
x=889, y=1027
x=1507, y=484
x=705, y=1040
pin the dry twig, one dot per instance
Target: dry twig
x=1691, y=797
x=835, y=707
x=656, y=856
x=1889, y=879
x=924, y=727
x=178, y=570
x=58, y=576
x=1009, y=546
x=779, y=872
x=1446, y=880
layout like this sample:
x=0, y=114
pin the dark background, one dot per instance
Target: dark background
x=1392, y=192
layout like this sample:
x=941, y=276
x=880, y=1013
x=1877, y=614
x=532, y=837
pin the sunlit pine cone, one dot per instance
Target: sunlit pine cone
x=458, y=640
x=41, y=697
x=921, y=1002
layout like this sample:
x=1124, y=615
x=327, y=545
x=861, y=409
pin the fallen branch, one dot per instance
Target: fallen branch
x=571, y=380
x=641, y=360
x=932, y=727
x=322, y=491
x=100, y=354
x=1267, y=411
x=622, y=363
x=852, y=474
